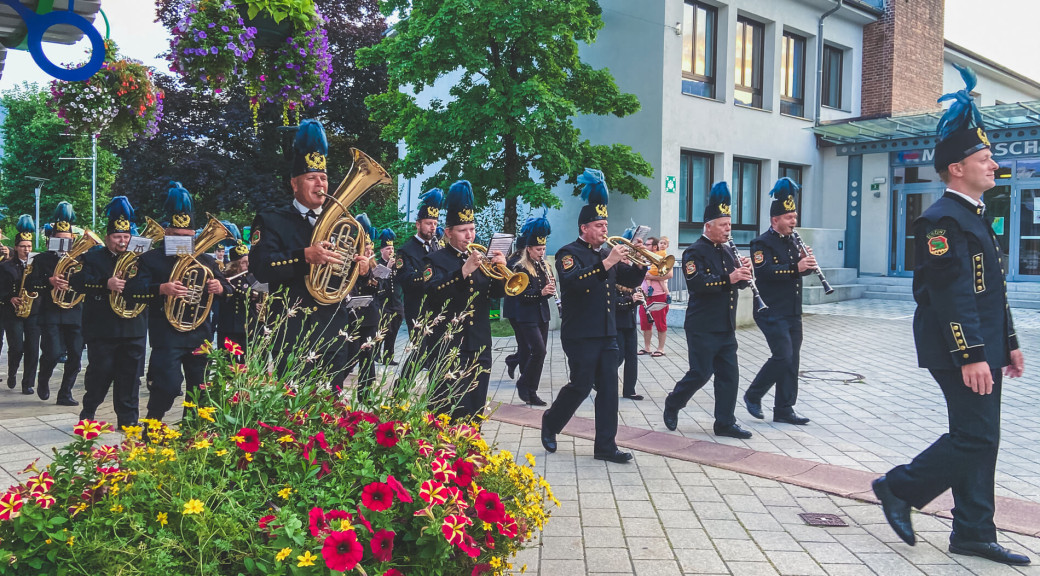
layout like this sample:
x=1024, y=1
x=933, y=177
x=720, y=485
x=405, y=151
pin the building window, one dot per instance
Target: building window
x=748, y=87
x=792, y=75
x=792, y=171
x=746, y=190
x=698, y=59
x=695, y=180
x=832, y=70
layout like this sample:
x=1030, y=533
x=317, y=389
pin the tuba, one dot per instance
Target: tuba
x=515, y=282
x=188, y=312
x=331, y=283
x=68, y=265
x=25, y=308
x=643, y=257
x=126, y=268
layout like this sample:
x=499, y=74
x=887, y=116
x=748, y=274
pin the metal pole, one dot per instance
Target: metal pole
x=93, y=186
x=36, y=239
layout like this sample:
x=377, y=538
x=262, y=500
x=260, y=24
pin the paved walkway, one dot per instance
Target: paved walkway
x=669, y=515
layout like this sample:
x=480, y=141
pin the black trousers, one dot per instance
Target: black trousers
x=710, y=353
x=965, y=459
x=393, y=319
x=464, y=397
x=363, y=357
x=302, y=336
x=530, y=353
x=628, y=346
x=592, y=362
x=23, y=339
x=168, y=368
x=55, y=340
x=784, y=335
x=113, y=362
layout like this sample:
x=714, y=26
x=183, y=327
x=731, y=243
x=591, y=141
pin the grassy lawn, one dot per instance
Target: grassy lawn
x=501, y=328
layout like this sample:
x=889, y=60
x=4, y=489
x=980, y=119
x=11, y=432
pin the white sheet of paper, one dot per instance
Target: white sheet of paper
x=502, y=243
x=381, y=272
x=179, y=245
x=641, y=233
x=139, y=245
x=59, y=244
x=358, y=301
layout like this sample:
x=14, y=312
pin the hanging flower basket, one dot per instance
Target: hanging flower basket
x=120, y=102
x=212, y=45
x=269, y=34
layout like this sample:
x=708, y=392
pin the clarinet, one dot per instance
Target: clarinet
x=819, y=272
x=649, y=318
x=552, y=280
x=760, y=304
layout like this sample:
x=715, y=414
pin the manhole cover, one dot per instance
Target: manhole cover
x=837, y=376
x=815, y=519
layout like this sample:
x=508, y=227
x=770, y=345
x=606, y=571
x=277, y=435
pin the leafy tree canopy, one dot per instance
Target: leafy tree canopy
x=518, y=83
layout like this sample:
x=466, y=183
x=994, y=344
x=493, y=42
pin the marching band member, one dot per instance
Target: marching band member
x=509, y=309
x=530, y=312
x=457, y=288
x=628, y=299
x=391, y=297
x=363, y=323
x=115, y=345
x=412, y=252
x=588, y=275
x=173, y=359
x=713, y=278
x=779, y=267
x=60, y=328
x=282, y=254
x=23, y=334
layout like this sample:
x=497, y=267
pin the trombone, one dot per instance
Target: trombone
x=515, y=283
x=642, y=257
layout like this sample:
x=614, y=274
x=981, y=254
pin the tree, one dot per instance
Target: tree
x=508, y=127
x=33, y=144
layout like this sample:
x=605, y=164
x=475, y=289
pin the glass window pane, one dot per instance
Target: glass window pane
x=749, y=193
x=706, y=21
x=700, y=63
x=684, y=188
x=785, y=70
x=700, y=171
x=1028, y=169
x=687, y=40
x=797, y=73
x=738, y=72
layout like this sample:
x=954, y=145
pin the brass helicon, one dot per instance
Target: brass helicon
x=188, y=312
x=515, y=282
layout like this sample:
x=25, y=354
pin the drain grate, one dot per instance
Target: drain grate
x=836, y=376
x=816, y=519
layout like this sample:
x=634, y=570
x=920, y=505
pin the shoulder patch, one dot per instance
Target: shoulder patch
x=938, y=245
x=254, y=237
x=568, y=262
x=759, y=257
x=690, y=267
x=399, y=263
x=427, y=274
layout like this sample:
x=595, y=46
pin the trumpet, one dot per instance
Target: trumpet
x=760, y=304
x=552, y=281
x=642, y=257
x=515, y=283
x=819, y=272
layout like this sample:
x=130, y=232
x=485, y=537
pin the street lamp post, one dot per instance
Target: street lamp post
x=39, y=186
x=93, y=180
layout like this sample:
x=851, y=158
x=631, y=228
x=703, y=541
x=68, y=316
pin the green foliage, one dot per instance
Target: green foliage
x=33, y=142
x=508, y=127
x=300, y=12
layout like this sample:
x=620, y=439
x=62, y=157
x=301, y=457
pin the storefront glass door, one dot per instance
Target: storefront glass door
x=1027, y=261
x=911, y=202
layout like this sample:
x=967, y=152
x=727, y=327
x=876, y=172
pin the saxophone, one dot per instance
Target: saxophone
x=332, y=283
x=69, y=265
x=23, y=309
x=188, y=312
x=126, y=268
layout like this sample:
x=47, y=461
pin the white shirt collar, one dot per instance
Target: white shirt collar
x=303, y=209
x=421, y=241
x=973, y=201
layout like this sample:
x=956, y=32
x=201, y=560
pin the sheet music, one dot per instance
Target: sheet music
x=502, y=243
x=139, y=245
x=641, y=233
x=59, y=244
x=381, y=272
x=179, y=245
x=357, y=302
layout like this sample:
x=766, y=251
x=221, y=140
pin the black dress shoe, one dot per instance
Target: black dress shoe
x=393, y=363
x=617, y=457
x=28, y=391
x=511, y=368
x=790, y=418
x=989, y=551
x=753, y=408
x=732, y=431
x=634, y=396
x=10, y=382
x=897, y=511
x=43, y=393
x=671, y=418
x=534, y=400
x=522, y=394
x=67, y=401
x=548, y=438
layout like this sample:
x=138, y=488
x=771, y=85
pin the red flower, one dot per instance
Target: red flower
x=442, y=471
x=319, y=440
x=490, y=508
x=382, y=545
x=469, y=546
x=377, y=496
x=342, y=551
x=90, y=429
x=265, y=521
x=318, y=522
x=386, y=435
x=235, y=349
x=399, y=490
x=454, y=528
x=464, y=472
x=481, y=569
x=11, y=505
x=393, y=572
x=278, y=429
x=508, y=527
x=425, y=448
x=40, y=484
x=433, y=492
x=332, y=515
x=251, y=440
x=364, y=521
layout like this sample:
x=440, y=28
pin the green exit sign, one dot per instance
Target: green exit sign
x=875, y=187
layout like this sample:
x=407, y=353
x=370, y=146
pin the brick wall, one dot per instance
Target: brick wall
x=903, y=59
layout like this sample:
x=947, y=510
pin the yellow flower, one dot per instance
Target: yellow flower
x=283, y=554
x=207, y=413
x=162, y=519
x=285, y=493
x=286, y=438
x=221, y=452
x=237, y=439
x=307, y=559
x=495, y=562
x=193, y=506
x=118, y=508
x=200, y=444
x=190, y=405
x=71, y=541
x=248, y=457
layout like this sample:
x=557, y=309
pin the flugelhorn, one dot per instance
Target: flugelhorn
x=819, y=272
x=69, y=265
x=643, y=257
x=126, y=268
x=331, y=283
x=188, y=312
x=515, y=283
x=760, y=304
